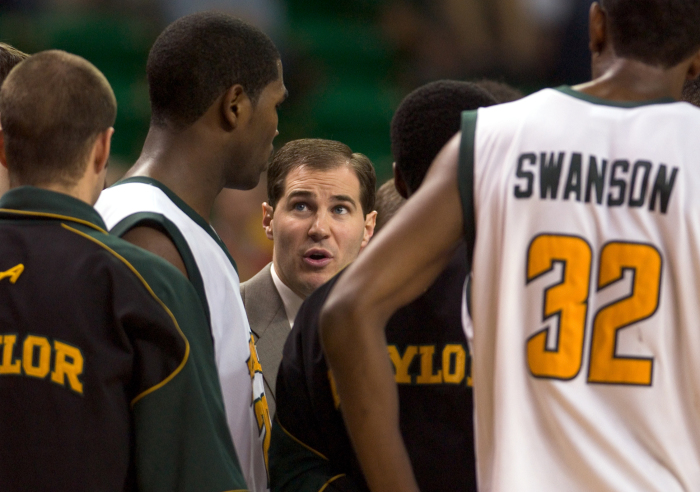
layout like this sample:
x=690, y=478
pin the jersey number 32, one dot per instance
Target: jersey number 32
x=568, y=300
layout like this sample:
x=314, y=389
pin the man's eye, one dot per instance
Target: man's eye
x=340, y=209
x=300, y=207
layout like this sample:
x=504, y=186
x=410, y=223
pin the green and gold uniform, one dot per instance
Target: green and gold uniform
x=107, y=375
x=311, y=450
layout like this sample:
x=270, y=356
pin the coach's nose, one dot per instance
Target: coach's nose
x=320, y=227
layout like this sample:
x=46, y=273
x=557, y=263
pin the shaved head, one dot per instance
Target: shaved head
x=52, y=108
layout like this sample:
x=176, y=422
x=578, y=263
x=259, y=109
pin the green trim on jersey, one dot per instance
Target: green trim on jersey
x=296, y=466
x=565, y=89
x=43, y=204
x=162, y=222
x=465, y=180
x=182, y=441
x=189, y=211
x=138, y=275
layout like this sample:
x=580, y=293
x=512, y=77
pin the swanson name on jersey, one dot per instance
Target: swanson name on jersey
x=573, y=176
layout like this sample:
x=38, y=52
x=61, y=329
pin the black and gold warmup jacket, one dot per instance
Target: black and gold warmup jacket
x=311, y=450
x=107, y=376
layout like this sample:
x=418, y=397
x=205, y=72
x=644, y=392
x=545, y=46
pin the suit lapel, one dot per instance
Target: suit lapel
x=268, y=322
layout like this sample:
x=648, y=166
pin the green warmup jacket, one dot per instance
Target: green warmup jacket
x=107, y=375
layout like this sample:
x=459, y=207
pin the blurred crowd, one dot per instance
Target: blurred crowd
x=392, y=47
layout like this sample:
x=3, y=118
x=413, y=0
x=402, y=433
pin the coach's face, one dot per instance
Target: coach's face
x=318, y=226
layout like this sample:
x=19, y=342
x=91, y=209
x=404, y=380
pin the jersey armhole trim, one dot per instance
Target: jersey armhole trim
x=325, y=485
x=185, y=358
x=299, y=442
x=465, y=180
x=54, y=216
x=182, y=205
x=171, y=230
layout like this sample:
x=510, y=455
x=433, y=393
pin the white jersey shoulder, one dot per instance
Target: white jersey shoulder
x=236, y=358
x=585, y=299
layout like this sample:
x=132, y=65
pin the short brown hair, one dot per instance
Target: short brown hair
x=9, y=57
x=320, y=155
x=52, y=108
x=389, y=201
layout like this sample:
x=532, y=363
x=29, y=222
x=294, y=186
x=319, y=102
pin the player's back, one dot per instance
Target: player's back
x=69, y=365
x=586, y=280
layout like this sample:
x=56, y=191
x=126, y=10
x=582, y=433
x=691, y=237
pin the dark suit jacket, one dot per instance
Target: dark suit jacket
x=269, y=324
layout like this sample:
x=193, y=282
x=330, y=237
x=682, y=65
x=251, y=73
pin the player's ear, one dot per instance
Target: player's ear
x=694, y=67
x=370, y=223
x=235, y=107
x=597, y=29
x=268, y=213
x=100, y=150
x=399, y=182
x=3, y=156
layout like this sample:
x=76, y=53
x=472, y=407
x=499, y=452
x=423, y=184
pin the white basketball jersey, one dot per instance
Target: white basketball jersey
x=236, y=358
x=586, y=293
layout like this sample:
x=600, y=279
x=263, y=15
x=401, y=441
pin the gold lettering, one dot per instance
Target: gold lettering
x=426, y=367
x=262, y=413
x=9, y=366
x=401, y=364
x=41, y=370
x=253, y=361
x=64, y=369
x=13, y=273
x=458, y=351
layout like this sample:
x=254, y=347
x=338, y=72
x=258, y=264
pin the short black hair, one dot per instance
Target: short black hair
x=199, y=57
x=53, y=106
x=388, y=202
x=656, y=32
x=426, y=120
x=9, y=57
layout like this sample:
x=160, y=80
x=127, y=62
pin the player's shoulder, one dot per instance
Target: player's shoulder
x=524, y=106
x=507, y=117
x=146, y=266
x=116, y=192
x=132, y=196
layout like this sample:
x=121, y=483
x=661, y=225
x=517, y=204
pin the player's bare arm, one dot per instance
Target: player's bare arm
x=394, y=269
x=158, y=243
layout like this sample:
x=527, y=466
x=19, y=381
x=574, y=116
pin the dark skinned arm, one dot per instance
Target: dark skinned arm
x=158, y=243
x=397, y=266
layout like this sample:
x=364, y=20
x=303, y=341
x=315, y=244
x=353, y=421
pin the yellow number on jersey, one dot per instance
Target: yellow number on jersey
x=569, y=301
x=645, y=262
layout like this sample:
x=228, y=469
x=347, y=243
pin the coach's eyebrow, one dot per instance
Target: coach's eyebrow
x=344, y=198
x=301, y=193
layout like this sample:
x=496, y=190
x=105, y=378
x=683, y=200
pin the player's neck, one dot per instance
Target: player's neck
x=85, y=190
x=182, y=163
x=622, y=79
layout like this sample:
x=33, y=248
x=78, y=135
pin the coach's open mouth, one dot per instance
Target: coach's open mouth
x=317, y=257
